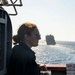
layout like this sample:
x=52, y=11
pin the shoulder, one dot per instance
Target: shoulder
x=18, y=50
x=18, y=53
x=17, y=47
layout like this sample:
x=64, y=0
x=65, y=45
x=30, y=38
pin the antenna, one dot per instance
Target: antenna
x=12, y=3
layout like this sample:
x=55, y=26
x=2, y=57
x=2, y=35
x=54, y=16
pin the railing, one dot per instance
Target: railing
x=55, y=69
x=6, y=3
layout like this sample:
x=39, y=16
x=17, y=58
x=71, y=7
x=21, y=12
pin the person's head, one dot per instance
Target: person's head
x=27, y=33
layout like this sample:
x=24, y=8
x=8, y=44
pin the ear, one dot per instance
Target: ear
x=26, y=36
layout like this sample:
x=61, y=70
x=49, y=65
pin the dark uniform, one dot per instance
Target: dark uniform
x=22, y=61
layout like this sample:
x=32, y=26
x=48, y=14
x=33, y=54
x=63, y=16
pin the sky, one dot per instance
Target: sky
x=56, y=17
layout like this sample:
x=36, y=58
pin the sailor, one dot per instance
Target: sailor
x=23, y=59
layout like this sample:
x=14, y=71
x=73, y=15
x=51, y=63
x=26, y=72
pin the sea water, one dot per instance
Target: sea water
x=61, y=53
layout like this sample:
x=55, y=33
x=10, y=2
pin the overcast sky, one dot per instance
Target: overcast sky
x=56, y=17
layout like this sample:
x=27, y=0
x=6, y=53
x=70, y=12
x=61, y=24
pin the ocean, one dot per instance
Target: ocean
x=61, y=53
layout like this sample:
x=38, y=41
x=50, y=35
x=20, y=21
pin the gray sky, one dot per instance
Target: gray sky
x=56, y=17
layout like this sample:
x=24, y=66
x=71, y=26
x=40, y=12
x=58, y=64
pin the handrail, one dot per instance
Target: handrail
x=14, y=8
x=60, y=67
x=55, y=69
x=13, y=4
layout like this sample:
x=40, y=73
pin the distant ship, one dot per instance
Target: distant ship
x=50, y=40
